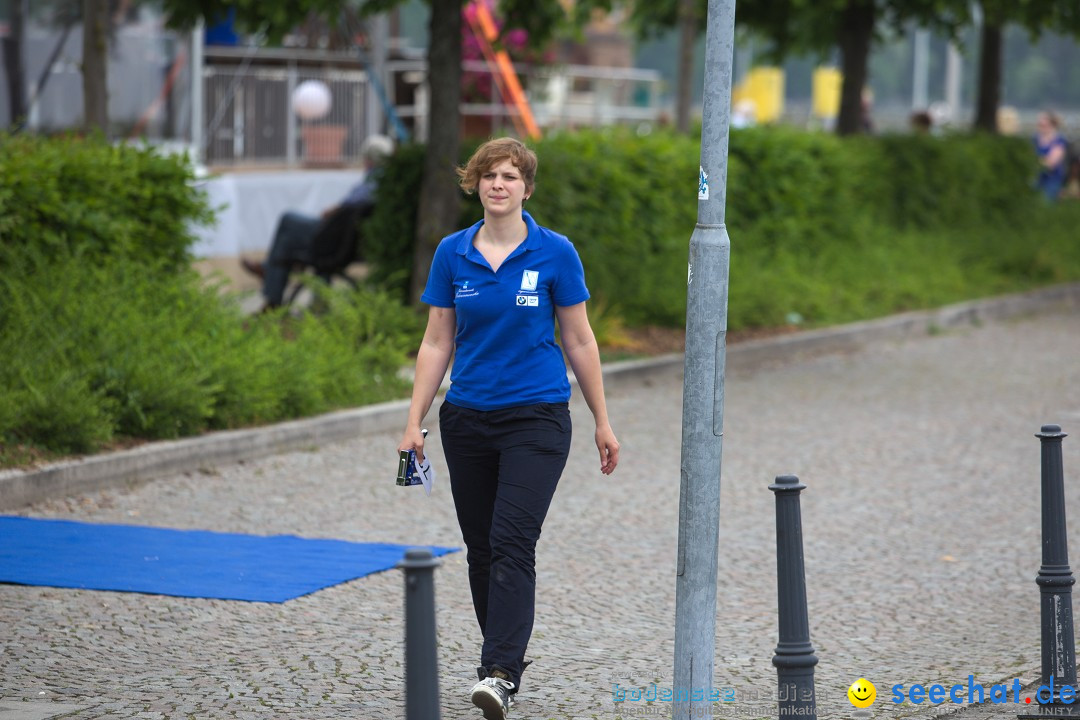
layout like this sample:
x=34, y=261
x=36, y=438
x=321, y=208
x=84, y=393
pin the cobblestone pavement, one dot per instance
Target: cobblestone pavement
x=921, y=526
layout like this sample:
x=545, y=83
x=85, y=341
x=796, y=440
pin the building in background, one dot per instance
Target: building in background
x=226, y=99
x=1036, y=75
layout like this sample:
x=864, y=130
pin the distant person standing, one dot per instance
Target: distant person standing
x=866, y=111
x=1051, y=147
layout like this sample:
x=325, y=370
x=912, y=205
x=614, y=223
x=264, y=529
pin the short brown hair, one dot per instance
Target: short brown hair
x=1053, y=118
x=491, y=154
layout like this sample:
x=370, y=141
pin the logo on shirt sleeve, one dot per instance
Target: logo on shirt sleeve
x=529, y=279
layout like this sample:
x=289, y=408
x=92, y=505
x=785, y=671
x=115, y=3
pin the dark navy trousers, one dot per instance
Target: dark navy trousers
x=504, y=466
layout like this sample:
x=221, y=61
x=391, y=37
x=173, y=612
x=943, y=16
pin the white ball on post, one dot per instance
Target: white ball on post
x=311, y=100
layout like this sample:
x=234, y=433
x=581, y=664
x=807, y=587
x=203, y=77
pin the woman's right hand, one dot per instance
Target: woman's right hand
x=413, y=439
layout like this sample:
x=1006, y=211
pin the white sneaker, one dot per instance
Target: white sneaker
x=492, y=695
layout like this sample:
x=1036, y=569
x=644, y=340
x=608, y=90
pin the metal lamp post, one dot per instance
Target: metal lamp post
x=703, y=385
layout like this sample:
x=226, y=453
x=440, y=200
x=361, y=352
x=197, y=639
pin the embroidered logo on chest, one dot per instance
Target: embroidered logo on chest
x=529, y=280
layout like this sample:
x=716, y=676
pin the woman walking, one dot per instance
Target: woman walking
x=496, y=290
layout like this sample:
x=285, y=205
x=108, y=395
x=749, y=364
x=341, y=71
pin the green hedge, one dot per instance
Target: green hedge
x=94, y=352
x=107, y=333
x=71, y=195
x=822, y=228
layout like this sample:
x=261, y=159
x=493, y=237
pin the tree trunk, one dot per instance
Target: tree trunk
x=856, y=32
x=986, y=106
x=688, y=32
x=13, y=64
x=95, y=59
x=439, y=194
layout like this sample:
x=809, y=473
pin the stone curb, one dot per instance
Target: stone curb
x=19, y=488
x=896, y=327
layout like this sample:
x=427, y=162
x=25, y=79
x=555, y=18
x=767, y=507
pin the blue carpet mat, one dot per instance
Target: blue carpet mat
x=184, y=563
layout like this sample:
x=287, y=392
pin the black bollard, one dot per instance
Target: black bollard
x=421, y=660
x=794, y=659
x=1055, y=582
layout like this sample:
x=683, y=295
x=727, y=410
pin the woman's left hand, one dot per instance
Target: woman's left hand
x=608, y=447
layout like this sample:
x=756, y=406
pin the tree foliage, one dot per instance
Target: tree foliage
x=1036, y=16
x=817, y=27
x=273, y=18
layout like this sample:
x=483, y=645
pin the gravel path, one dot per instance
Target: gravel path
x=921, y=526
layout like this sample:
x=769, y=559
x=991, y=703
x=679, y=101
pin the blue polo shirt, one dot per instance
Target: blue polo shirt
x=505, y=350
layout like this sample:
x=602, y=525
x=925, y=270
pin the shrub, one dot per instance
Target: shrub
x=73, y=195
x=107, y=332
x=93, y=351
x=829, y=228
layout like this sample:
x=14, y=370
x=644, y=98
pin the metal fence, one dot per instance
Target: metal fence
x=560, y=96
x=576, y=95
x=248, y=118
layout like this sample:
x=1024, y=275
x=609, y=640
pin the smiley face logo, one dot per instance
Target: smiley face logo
x=862, y=693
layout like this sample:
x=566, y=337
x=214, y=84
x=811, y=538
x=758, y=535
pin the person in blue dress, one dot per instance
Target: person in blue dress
x=1051, y=147
x=496, y=290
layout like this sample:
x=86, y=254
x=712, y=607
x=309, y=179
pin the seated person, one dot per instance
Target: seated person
x=293, y=239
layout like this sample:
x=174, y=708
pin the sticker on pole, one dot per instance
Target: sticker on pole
x=702, y=184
